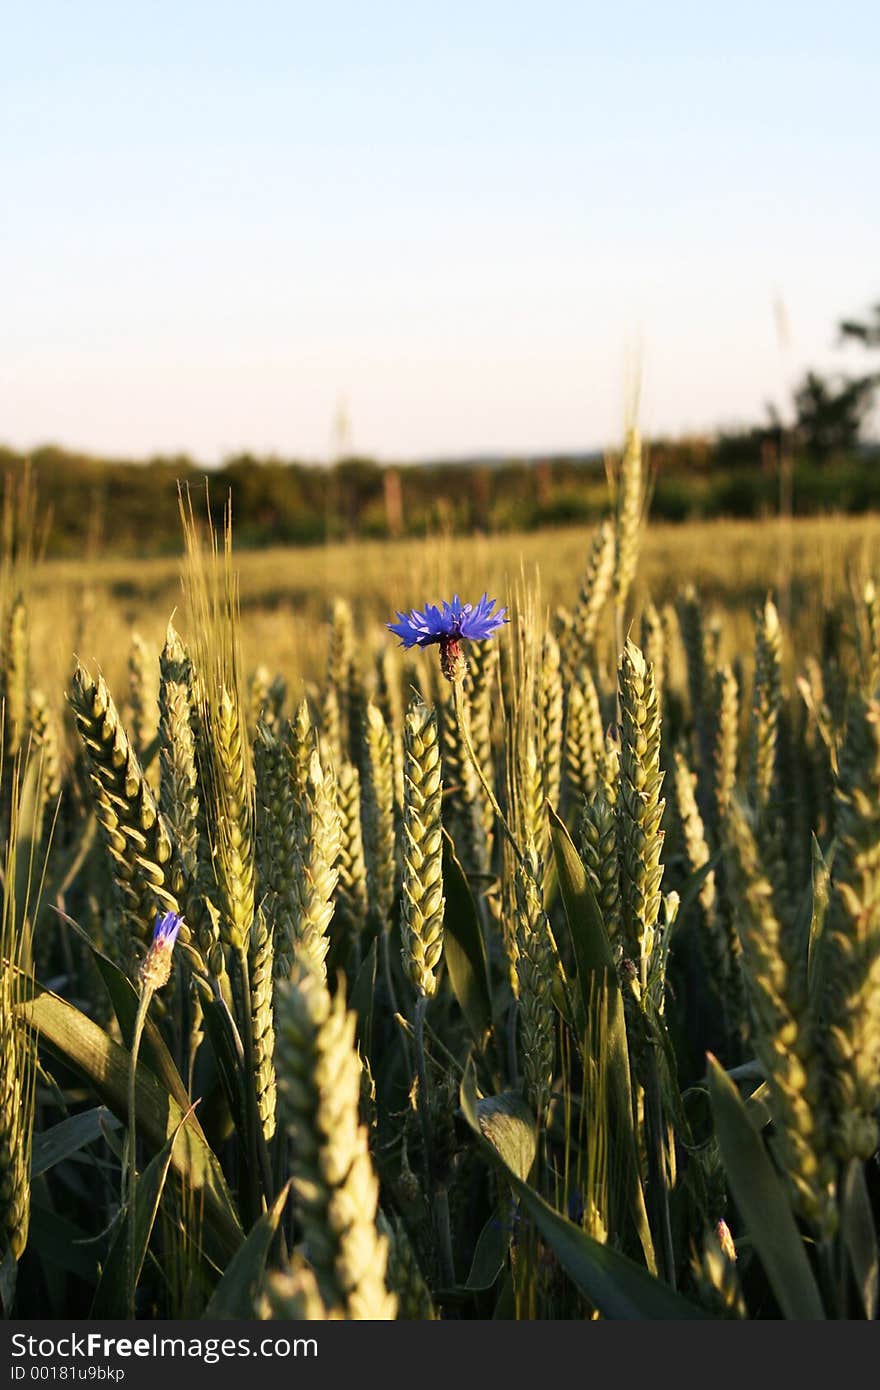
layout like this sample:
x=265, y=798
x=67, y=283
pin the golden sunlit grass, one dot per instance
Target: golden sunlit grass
x=286, y=594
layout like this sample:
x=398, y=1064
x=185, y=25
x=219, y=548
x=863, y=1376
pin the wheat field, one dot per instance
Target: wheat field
x=528, y=975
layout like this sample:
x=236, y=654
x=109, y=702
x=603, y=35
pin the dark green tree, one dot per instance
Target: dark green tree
x=866, y=332
x=831, y=412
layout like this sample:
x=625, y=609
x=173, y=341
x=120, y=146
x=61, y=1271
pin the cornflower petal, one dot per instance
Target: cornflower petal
x=449, y=622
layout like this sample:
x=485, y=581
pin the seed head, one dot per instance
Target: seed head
x=156, y=969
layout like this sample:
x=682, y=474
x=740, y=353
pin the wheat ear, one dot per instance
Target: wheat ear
x=783, y=1037
x=333, y=1180
x=352, y=900
x=378, y=815
x=599, y=852
x=134, y=831
x=316, y=853
x=17, y=1076
x=16, y=676
x=594, y=591
x=640, y=808
x=848, y=1006
x=628, y=516
x=535, y=972
x=422, y=902
x=550, y=697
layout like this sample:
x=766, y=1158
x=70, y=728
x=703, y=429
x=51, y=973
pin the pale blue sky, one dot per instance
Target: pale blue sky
x=467, y=221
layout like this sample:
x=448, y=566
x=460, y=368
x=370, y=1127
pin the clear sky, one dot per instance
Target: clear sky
x=466, y=221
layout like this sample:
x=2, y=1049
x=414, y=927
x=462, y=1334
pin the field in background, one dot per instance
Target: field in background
x=91, y=607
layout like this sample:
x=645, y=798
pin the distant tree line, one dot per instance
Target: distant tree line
x=100, y=505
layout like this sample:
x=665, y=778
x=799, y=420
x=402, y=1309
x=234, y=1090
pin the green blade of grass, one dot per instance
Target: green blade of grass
x=490, y=1253
x=859, y=1235
x=68, y=1137
x=104, y=1065
x=509, y=1125
x=464, y=947
x=612, y=1282
x=111, y=1295
x=363, y=995
x=763, y=1201
x=235, y=1294
x=596, y=975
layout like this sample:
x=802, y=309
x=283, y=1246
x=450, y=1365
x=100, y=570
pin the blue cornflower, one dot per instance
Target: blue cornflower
x=156, y=968
x=167, y=926
x=455, y=619
x=446, y=626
